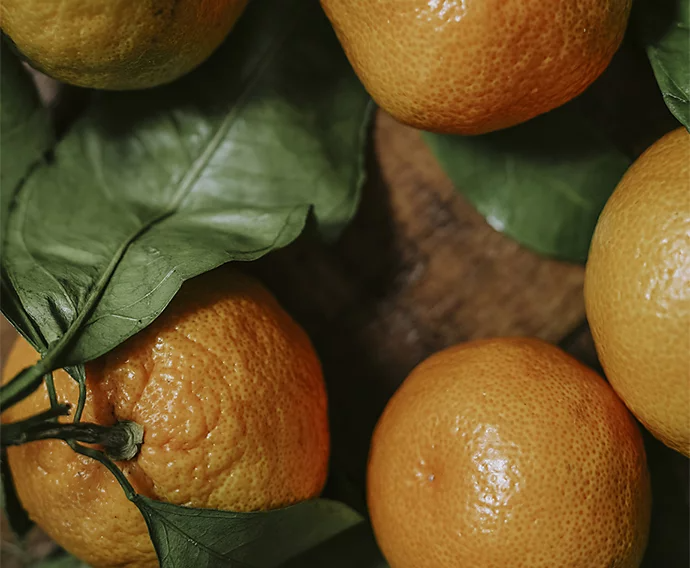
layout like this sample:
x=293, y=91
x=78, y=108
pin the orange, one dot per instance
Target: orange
x=473, y=66
x=637, y=289
x=508, y=452
x=118, y=44
x=232, y=401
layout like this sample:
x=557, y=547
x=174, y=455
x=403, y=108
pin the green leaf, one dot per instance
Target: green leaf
x=202, y=537
x=663, y=26
x=543, y=183
x=25, y=129
x=14, y=311
x=25, y=135
x=355, y=546
x=152, y=188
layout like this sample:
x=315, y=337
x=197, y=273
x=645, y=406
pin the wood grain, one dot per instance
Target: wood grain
x=418, y=270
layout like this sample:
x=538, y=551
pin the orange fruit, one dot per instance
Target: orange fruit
x=508, y=452
x=118, y=44
x=469, y=67
x=637, y=289
x=232, y=401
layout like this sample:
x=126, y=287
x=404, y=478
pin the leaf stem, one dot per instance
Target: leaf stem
x=12, y=430
x=121, y=441
x=52, y=395
x=108, y=463
x=81, y=402
x=24, y=383
x=78, y=374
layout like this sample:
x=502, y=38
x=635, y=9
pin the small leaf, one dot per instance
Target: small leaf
x=25, y=128
x=152, y=188
x=208, y=538
x=663, y=26
x=543, y=183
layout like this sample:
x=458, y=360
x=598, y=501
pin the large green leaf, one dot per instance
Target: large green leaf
x=664, y=28
x=543, y=183
x=155, y=187
x=26, y=133
x=25, y=129
x=207, y=538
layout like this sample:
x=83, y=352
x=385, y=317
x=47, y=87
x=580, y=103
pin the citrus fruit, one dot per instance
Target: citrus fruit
x=232, y=401
x=117, y=44
x=637, y=289
x=469, y=67
x=508, y=452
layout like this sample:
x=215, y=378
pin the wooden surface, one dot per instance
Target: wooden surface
x=419, y=270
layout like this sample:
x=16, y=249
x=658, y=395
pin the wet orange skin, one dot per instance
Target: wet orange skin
x=231, y=397
x=508, y=452
x=474, y=66
x=118, y=44
x=637, y=289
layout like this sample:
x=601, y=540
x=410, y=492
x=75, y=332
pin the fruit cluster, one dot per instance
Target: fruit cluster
x=493, y=453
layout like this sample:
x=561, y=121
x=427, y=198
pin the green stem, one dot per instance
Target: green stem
x=23, y=384
x=13, y=430
x=121, y=441
x=81, y=402
x=13, y=435
x=105, y=461
x=52, y=395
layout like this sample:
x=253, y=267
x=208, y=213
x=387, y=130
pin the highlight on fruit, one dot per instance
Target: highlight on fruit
x=506, y=433
x=637, y=289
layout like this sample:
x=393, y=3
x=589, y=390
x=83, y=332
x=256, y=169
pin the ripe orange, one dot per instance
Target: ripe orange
x=118, y=44
x=508, y=452
x=233, y=404
x=469, y=67
x=637, y=289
